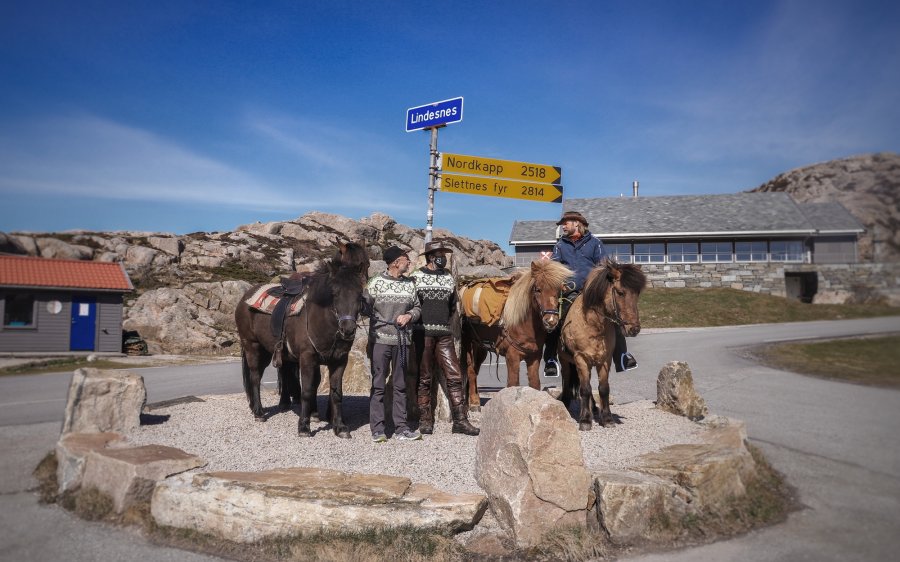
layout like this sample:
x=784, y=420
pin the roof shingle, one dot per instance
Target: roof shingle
x=685, y=215
x=23, y=271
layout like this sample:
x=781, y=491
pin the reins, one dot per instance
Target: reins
x=403, y=337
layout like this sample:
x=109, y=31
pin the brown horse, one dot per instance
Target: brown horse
x=530, y=312
x=322, y=334
x=610, y=299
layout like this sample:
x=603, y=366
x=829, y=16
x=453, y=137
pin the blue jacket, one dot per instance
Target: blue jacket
x=580, y=256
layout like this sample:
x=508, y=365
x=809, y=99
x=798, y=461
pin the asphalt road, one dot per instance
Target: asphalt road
x=837, y=444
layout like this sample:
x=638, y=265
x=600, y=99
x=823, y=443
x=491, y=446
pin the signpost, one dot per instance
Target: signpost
x=433, y=116
x=476, y=175
x=523, y=171
x=496, y=187
x=436, y=114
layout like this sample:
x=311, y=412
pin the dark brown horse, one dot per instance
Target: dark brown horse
x=610, y=299
x=322, y=334
x=530, y=312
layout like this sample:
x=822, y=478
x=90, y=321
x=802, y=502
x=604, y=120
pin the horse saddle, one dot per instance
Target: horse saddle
x=280, y=300
x=483, y=299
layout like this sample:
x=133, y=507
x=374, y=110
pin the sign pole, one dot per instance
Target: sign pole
x=432, y=184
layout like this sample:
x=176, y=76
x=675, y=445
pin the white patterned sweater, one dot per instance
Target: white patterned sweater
x=389, y=298
x=437, y=295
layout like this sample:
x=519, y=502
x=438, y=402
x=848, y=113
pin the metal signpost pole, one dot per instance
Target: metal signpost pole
x=433, y=116
x=432, y=184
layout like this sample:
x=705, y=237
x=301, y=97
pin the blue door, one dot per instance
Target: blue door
x=84, y=324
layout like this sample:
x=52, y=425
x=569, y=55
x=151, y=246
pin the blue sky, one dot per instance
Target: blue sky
x=194, y=116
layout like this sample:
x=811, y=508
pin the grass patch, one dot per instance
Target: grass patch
x=45, y=474
x=870, y=361
x=676, y=308
x=378, y=545
x=571, y=544
x=61, y=365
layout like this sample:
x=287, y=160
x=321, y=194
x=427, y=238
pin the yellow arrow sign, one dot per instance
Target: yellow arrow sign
x=532, y=191
x=521, y=171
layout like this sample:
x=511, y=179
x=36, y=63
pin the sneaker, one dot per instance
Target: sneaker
x=551, y=368
x=379, y=438
x=409, y=436
x=628, y=362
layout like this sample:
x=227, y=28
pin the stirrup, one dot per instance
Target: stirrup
x=627, y=362
x=551, y=368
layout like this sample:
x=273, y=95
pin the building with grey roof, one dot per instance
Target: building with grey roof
x=764, y=242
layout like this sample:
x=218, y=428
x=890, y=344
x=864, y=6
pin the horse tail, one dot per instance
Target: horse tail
x=245, y=372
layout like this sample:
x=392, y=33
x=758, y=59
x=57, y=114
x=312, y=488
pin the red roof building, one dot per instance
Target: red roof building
x=61, y=305
x=24, y=271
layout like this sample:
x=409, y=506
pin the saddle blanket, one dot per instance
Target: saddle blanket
x=483, y=299
x=264, y=302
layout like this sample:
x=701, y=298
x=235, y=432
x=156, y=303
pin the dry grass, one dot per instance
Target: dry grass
x=675, y=308
x=67, y=364
x=45, y=474
x=403, y=544
x=871, y=361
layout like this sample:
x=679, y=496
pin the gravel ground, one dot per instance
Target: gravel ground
x=222, y=431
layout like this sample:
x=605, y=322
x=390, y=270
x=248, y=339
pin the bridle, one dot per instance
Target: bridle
x=617, y=316
x=545, y=312
x=338, y=334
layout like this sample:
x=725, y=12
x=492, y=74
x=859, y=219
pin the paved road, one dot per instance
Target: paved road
x=837, y=443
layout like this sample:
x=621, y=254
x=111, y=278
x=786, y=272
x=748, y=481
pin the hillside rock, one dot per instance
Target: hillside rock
x=197, y=318
x=187, y=286
x=868, y=186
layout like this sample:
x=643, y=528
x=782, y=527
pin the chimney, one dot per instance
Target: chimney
x=634, y=189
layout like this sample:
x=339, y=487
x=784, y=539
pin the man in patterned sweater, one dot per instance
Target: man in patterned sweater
x=392, y=298
x=436, y=290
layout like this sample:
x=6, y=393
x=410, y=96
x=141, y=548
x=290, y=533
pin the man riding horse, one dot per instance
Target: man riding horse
x=580, y=251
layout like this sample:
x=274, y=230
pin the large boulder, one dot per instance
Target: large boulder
x=530, y=462
x=57, y=249
x=662, y=492
x=129, y=475
x=71, y=451
x=250, y=506
x=675, y=392
x=104, y=400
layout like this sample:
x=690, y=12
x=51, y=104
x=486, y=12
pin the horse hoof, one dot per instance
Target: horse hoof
x=475, y=408
x=315, y=417
x=260, y=418
x=343, y=434
x=584, y=426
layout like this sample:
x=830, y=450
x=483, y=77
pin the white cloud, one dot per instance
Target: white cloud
x=88, y=156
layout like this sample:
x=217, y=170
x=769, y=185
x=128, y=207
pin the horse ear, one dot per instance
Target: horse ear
x=342, y=249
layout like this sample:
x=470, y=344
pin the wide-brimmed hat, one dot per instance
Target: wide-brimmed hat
x=392, y=253
x=436, y=246
x=572, y=216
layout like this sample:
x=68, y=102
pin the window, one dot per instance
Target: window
x=750, y=251
x=682, y=252
x=787, y=250
x=619, y=252
x=18, y=311
x=650, y=253
x=715, y=251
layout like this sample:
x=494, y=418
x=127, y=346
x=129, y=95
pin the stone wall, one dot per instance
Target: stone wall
x=860, y=282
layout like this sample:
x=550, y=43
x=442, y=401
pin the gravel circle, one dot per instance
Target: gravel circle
x=222, y=431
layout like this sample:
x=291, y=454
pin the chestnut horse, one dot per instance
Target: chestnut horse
x=588, y=336
x=322, y=334
x=530, y=312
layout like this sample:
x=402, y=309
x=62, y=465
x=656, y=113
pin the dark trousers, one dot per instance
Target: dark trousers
x=551, y=344
x=440, y=350
x=385, y=359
